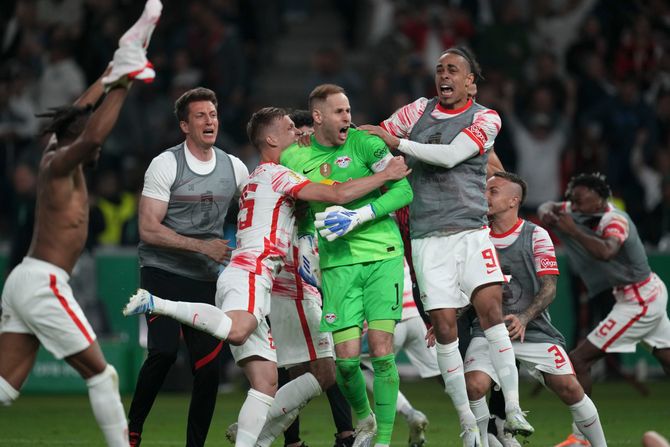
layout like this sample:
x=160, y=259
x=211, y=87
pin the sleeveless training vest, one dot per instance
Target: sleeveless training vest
x=446, y=200
x=197, y=208
x=518, y=264
x=629, y=266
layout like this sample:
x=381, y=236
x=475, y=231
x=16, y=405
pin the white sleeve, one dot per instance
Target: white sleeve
x=160, y=176
x=241, y=173
x=474, y=139
x=445, y=155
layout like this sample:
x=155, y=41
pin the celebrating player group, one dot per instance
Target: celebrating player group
x=320, y=269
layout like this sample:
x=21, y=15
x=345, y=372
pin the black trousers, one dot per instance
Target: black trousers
x=163, y=344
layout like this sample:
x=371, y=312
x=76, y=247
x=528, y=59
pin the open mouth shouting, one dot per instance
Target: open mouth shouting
x=446, y=90
x=342, y=133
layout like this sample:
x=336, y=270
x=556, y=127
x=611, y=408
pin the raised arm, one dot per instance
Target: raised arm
x=98, y=127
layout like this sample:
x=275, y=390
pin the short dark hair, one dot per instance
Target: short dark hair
x=301, y=117
x=594, y=181
x=322, y=92
x=66, y=121
x=514, y=178
x=469, y=56
x=195, y=94
x=260, y=120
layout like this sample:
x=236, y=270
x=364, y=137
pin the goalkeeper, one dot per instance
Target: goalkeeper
x=361, y=257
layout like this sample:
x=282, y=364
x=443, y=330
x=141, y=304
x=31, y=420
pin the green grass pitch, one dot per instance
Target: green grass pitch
x=68, y=421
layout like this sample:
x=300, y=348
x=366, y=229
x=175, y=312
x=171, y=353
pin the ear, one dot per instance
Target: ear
x=270, y=141
x=470, y=80
x=183, y=125
x=316, y=116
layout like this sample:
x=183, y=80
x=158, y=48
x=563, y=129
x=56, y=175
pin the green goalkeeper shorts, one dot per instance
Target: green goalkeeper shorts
x=356, y=293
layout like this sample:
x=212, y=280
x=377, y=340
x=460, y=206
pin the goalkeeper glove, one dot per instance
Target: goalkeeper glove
x=308, y=266
x=337, y=221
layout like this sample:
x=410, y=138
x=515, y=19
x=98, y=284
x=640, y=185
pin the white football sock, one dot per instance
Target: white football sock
x=103, y=392
x=586, y=418
x=7, y=393
x=480, y=409
x=451, y=367
x=289, y=400
x=201, y=316
x=504, y=362
x=403, y=406
x=252, y=417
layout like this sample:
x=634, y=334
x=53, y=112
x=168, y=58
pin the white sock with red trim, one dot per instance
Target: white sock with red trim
x=103, y=392
x=7, y=393
x=586, y=418
x=289, y=400
x=201, y=316
x=504, y=363
x=252, y=417
x=451, y=367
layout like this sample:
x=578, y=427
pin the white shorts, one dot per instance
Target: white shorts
x=629, y=323
x=260, y=343
x=295, y=328
x=38, y=300
x=238, y=289
x=449, y=268
x=536, y=358
x=410, y=336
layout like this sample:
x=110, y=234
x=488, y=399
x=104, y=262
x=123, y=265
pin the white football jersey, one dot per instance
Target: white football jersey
x=266, y=220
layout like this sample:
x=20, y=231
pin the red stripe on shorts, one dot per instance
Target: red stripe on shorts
x=63, y=302
x=305, y=330
x=252, y=293
x=632, y=320
x=209, y=357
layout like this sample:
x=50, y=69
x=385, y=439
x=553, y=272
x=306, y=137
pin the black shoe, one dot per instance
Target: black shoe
x=134, y=439
x=344, y=442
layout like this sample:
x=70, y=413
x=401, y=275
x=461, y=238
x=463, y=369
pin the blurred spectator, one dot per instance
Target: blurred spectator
x=539, y=140
x=328, y=68
x=24, y=187
x=116, y=206
x=62, y=80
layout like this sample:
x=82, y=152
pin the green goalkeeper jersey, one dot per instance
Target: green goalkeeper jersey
x=360, y=156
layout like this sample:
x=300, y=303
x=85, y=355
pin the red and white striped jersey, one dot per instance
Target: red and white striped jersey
x=483, y=130
x=289, y=285
x=544, y=254
x=266, y=221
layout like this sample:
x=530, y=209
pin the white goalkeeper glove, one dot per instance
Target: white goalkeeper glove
x=308, y=266
x=337, y=221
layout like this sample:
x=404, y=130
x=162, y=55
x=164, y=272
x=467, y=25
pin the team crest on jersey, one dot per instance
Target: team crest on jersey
x=330, y=318
x=325, y=170
x=343, y=161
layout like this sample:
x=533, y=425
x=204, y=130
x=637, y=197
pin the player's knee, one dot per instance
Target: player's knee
x=324, y=371
x=569, y=390
x=476, y=388
x=238, y=336
x=8, y=394
x=348, y=367
x=385, y=367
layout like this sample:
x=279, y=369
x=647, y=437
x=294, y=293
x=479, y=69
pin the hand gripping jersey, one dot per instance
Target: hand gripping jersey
x=265, y=223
